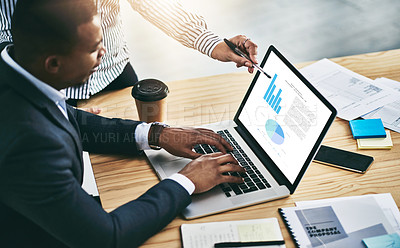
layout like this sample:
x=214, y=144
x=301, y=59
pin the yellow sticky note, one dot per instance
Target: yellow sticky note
x=257, y=232
x=376, y=143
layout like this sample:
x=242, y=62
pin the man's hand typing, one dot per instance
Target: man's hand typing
x=210, y=170
x=180, y=141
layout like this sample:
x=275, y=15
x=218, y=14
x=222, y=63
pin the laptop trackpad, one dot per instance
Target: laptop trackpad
x=259, y=196
x=174, y=166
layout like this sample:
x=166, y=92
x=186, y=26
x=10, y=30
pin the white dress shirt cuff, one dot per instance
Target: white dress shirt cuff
x=184, y=182
x=142, y=136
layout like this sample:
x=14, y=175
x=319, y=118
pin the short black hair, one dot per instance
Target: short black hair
x=45, y=27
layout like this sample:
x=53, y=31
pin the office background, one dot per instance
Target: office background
x=303, y=30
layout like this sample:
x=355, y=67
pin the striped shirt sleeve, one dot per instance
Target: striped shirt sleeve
x=6, y=10
x=170, y=16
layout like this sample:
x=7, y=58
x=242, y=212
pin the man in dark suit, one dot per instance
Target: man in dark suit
x=58, y=44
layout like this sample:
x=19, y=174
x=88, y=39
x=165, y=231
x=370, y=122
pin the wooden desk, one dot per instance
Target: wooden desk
x=211, y=99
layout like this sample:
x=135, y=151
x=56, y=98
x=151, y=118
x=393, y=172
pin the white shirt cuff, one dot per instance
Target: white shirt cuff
x=142, y=136
x=184, y=182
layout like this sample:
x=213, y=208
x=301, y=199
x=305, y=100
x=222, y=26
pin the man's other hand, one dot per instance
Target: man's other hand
x=207, y=171
x=180, y=141
x=223, y=53
x=92, y=110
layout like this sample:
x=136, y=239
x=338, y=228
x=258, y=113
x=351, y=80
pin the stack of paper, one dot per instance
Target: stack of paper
x=350, y=93
x=389, y=113
x=354, y=95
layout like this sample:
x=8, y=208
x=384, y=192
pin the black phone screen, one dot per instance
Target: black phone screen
x=343, y=159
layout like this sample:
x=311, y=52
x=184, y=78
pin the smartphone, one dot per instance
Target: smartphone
x=343, y=159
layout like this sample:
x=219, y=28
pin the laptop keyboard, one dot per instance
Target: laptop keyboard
x=253, y=179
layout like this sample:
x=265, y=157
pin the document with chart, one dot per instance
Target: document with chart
x=390, y=113
x=352, y=94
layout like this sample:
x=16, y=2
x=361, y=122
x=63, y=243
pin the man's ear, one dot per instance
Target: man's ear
x=52, y=64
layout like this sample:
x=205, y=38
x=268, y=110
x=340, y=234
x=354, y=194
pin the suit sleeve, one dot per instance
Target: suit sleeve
x=37, y=181
x=105, y=135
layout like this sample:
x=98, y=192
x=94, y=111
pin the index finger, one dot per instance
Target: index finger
x=209, y=140
x=251, y=49
x=240, y=61
x=227, y=159
x=219, y=138
x=225, y=143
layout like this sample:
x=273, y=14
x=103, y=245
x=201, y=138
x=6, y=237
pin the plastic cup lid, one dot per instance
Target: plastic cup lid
x=149, y=90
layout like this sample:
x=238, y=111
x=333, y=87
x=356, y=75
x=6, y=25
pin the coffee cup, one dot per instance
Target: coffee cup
x=150, y=97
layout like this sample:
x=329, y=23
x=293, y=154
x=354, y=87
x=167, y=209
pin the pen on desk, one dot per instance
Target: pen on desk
x=247, y=244
x=236, y=50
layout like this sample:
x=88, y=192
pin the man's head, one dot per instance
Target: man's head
x=58, y=41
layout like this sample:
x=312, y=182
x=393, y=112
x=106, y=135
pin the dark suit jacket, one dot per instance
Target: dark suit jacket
x=42, y=203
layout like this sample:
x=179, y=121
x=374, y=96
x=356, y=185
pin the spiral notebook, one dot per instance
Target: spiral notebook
x=341, y=222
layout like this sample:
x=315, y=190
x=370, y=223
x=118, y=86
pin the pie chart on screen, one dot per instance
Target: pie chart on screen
x=275, y=132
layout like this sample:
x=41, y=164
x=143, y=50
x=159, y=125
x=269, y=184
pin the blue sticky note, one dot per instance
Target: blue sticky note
x=388, y=240
x=369, y=128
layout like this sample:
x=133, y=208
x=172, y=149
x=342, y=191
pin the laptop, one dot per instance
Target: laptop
x=276, y=133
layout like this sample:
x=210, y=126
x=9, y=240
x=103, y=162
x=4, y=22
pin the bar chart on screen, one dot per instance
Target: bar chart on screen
x=273, y=100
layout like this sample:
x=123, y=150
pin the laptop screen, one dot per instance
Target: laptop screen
x=285, y=115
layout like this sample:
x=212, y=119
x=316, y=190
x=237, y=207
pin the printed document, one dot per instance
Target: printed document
x=390, y=113
x=350, y=93
x=89, y=181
